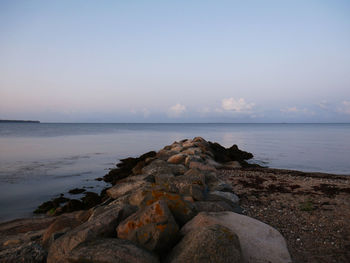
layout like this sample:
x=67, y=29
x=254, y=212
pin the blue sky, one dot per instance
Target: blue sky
x=175, y=61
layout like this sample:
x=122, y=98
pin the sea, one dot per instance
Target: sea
x=40, y=161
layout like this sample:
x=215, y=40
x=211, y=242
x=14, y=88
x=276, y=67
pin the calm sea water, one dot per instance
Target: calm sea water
x=40, y=161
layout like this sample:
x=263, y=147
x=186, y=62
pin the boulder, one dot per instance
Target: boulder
x=221, y=186
x=182, y=210
x=193, y=158
x=201, y=166
x=165, y=154
x=162, y=167
x=153, y=227
x=188, y=144
x=192, y=151
x=110, y=250
x=58, y=228
x=102, y=225
x=123, y=188
x=216, y=206
x=260, y=243
x=213, y=243
x=177, y=158
x=225, y=196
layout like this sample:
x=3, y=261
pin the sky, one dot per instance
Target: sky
x=175, y=61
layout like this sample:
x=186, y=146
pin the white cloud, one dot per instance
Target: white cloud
x=297, y=110
x=291, y=110
x=240, y=105
x=177, y=110
x=323, y=105
x=344, y=107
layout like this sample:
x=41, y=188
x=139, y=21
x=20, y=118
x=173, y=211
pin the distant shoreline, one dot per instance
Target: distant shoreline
x=18, y=121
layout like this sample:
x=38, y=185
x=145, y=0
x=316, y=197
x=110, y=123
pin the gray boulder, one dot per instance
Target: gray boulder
x=225, y=196
x=110, y=250
x=260, y=243
x=216, y=206
x=214, y=243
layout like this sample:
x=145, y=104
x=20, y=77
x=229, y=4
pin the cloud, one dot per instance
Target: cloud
x=324, y=105
x=344, y=107
x=297, y=110
x=291, y=110
x=240, y=105
x=177, y=110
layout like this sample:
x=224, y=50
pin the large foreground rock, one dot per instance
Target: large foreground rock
x=102, y=225
x=110, y=250
x=214, y=243
x=153, y=227
x=260, y=242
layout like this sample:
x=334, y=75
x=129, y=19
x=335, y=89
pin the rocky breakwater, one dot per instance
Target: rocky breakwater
x=165, y=206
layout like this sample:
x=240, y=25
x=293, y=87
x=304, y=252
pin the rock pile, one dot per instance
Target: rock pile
x=167, y=206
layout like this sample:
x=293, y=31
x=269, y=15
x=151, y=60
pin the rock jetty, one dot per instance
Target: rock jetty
x=166, y=206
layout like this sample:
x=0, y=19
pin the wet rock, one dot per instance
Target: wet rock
x=71, y=206
x=90, y=200
x=225, y=196
x=76, y=191
x=260, y=243
x=177, y=158
x=110, y=250
x=153, y=227
x=223, y=155
x=51, y=205
x=182, y=210
x=213, y=243
x=102, y=225
x=125, y=167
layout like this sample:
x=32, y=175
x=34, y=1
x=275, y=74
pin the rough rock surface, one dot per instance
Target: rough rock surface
x=110, y=250
x=103, y=225
x=260, y=243
x=213, y=243
x=182, y=210
x=152, y=227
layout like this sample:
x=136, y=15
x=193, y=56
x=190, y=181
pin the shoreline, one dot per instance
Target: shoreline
x=311, y=210
x=206, y=178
